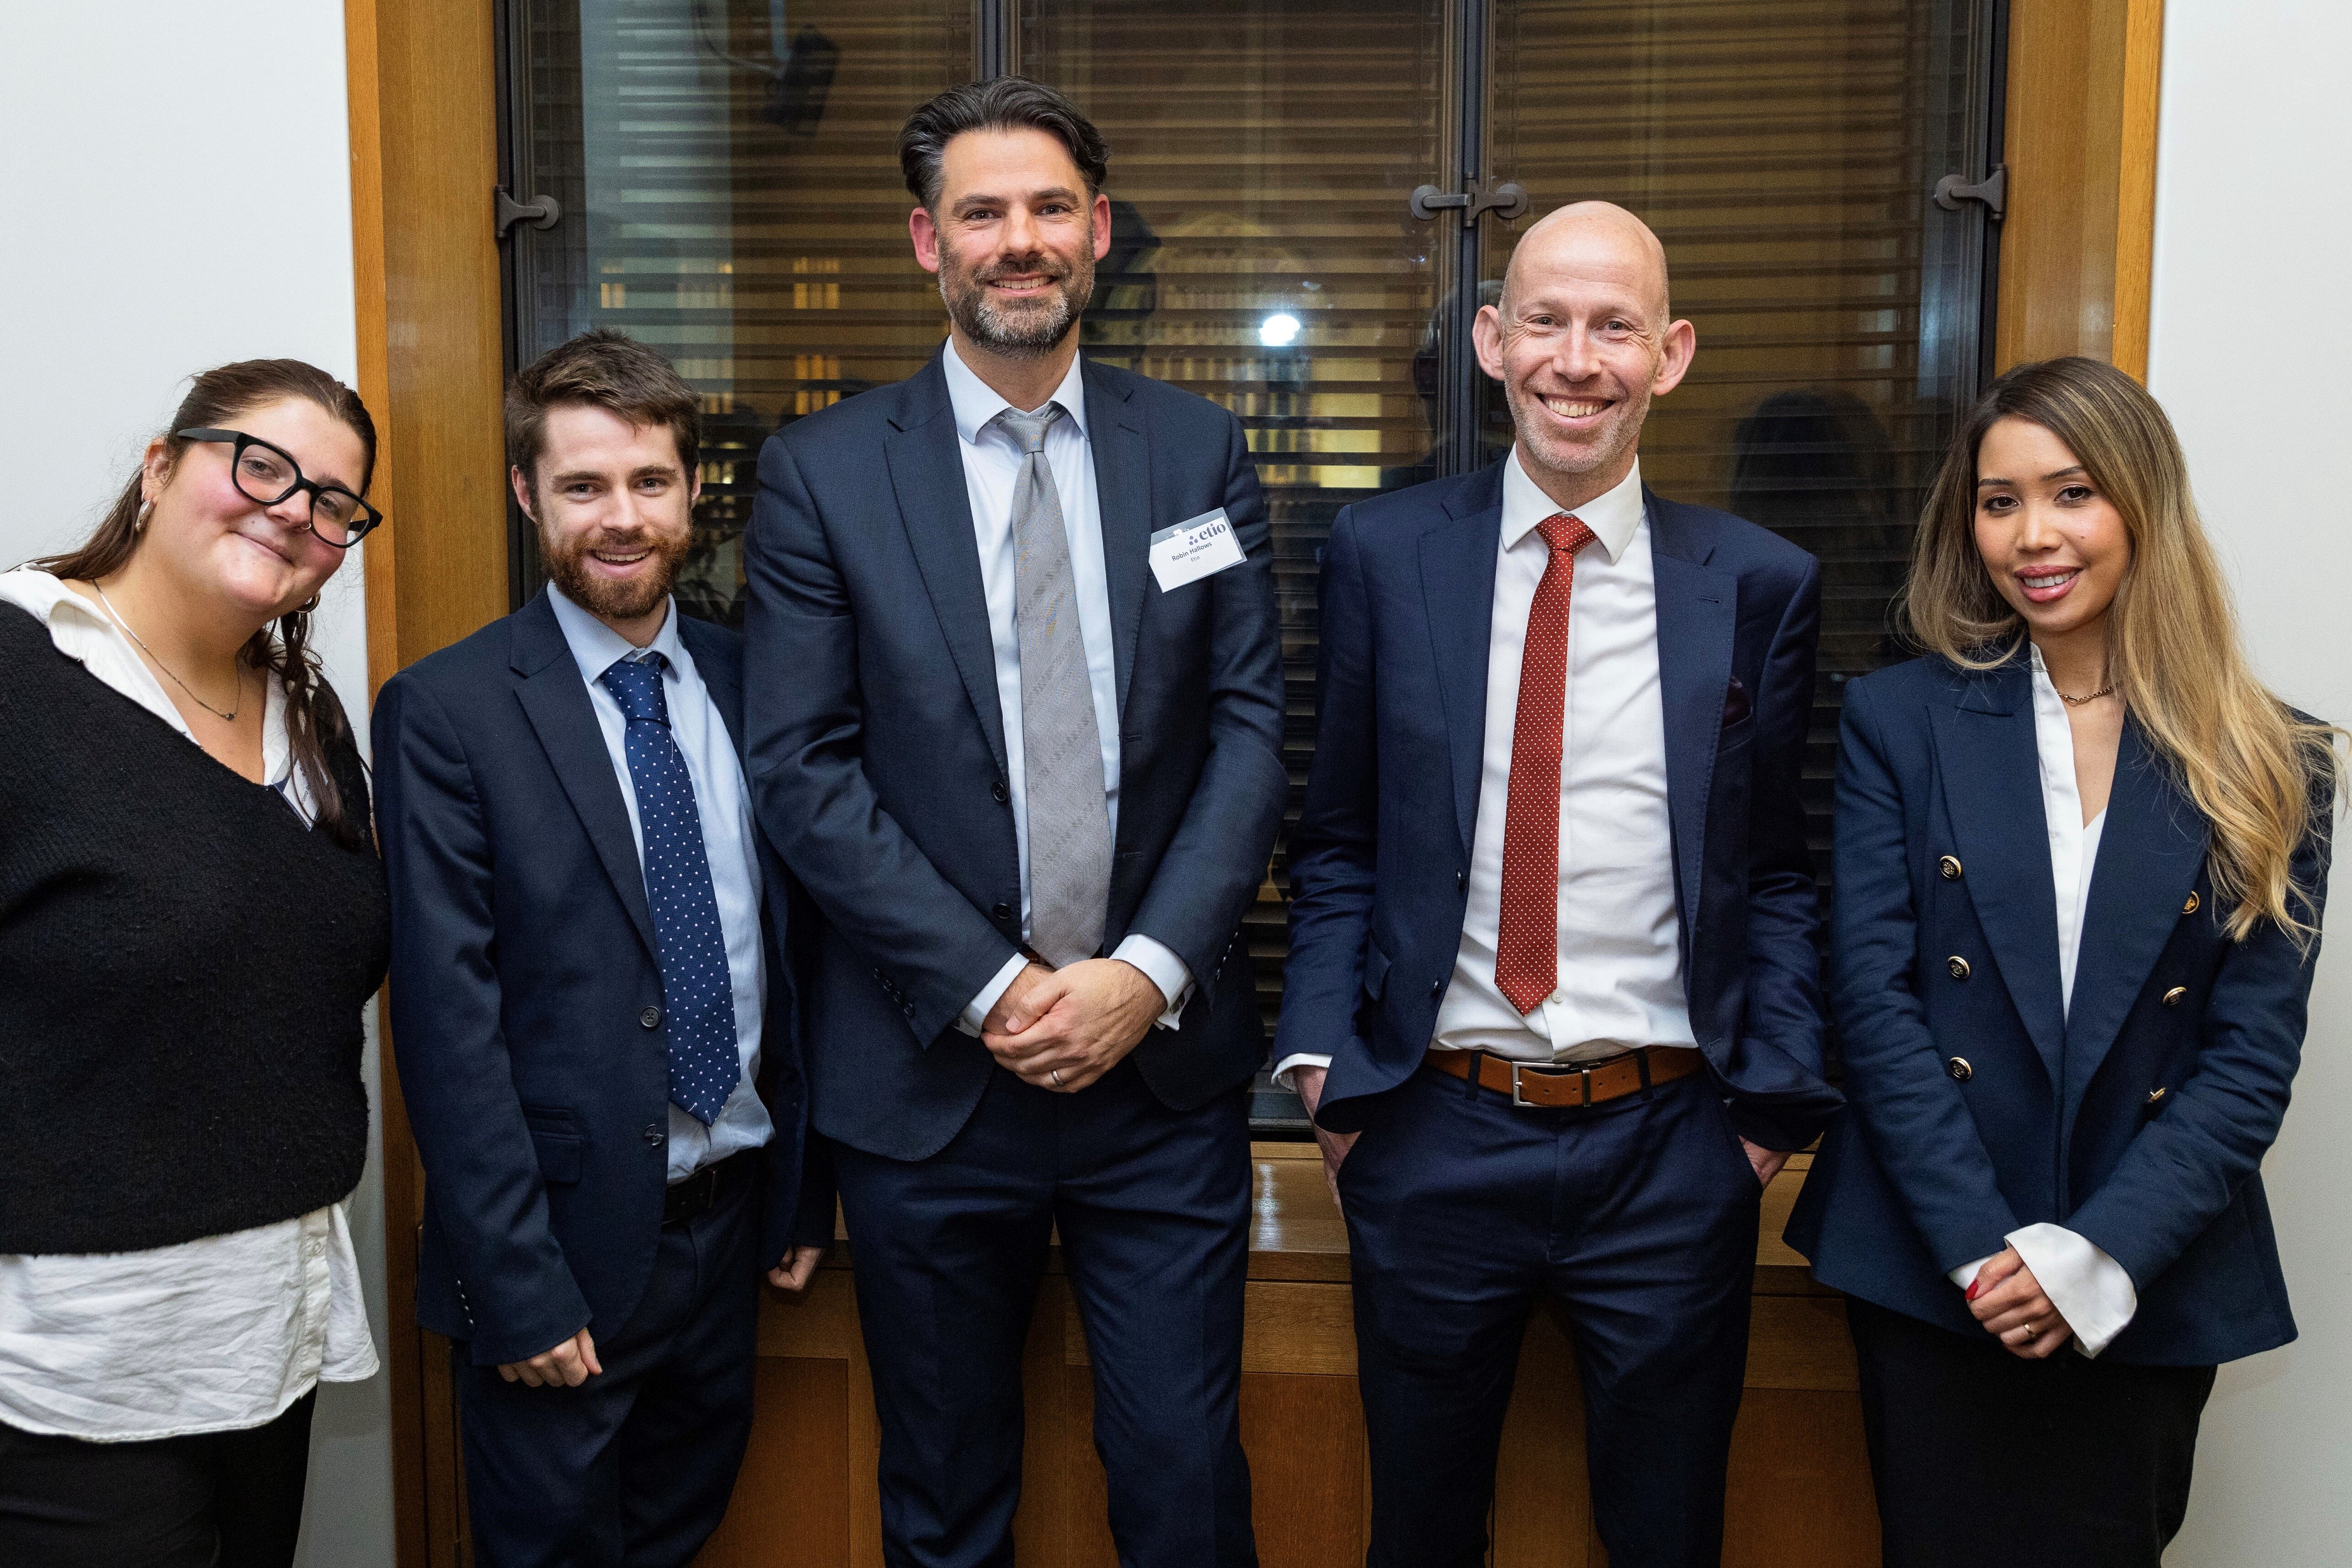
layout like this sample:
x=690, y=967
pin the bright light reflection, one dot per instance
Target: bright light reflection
x=1278, y=332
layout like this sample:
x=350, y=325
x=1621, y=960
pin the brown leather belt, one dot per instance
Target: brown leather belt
x=1570, y=1088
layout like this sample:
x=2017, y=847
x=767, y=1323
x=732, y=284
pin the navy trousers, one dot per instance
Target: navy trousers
x=1640, y=1215
x=633, y=1467
x=1153, y=1206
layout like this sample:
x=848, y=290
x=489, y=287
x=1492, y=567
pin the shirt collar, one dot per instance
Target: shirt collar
x=976, y=403
x=596, y=647
x=1613, y=516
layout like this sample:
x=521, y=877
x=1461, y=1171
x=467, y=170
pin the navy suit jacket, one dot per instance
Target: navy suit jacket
x=2137, y=1119
x=877, y=746
x=1380, y=860
x=526, y=995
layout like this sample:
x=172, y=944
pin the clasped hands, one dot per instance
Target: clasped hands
x=1064, y=1028
x=2009, y=1304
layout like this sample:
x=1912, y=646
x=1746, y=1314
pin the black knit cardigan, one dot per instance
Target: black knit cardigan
x=183, y=966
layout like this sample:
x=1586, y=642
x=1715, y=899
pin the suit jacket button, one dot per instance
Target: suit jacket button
x=1950, y=868
x=999, y=793
x=2172, y=998
x=653, y=1137
x=2190, y=907
x=1958, y=966
x=1461, y=882
x=1959, y=1069
x=1437, y=989
x=2154, y=1094
x=1002, y=911
x=650, y=1017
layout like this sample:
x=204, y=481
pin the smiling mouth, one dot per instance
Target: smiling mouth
x=1574, y=407
x=618, y=558
x=2041, y=586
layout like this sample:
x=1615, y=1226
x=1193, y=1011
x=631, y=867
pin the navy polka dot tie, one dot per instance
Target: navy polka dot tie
x=698, y=992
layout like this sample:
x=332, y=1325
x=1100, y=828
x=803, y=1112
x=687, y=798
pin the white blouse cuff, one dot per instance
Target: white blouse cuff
x=1282, y=1069
x=2091, y=1290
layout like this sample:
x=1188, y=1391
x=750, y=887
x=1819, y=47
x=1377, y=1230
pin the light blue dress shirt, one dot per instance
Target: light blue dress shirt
x=723, y=802
x=991, y=465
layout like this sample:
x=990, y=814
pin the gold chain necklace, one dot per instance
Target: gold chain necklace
x=228, y=718
x=2076, y=702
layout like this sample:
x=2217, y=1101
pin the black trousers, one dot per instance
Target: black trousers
x=1640, y=1217
x=633, y=1467
x=233, y=1499
x=1980, y=1457
x=1153, y=1209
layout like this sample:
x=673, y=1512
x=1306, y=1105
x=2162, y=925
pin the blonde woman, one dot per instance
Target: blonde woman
x=2080, y=858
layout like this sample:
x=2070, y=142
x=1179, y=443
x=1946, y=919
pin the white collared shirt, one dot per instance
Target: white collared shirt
x=722, y=800
x=991, y=465
x=2091, y=1290
x=1620, y=959
x=217, y=1335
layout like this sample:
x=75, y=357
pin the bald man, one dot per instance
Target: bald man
x=1552, y=996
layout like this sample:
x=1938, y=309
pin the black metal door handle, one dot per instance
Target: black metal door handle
x=542, y=214
x=1506, y=201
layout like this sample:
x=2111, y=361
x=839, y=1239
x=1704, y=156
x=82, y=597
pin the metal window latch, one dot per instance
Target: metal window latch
x=1506, y=201
x=1993, y=190
x=542, y=214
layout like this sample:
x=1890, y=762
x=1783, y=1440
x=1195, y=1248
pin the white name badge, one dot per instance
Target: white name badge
x=1197, y=548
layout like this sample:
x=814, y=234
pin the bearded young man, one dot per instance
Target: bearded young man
x=590, y=1002
x=1014, y=691
x=1552, y=996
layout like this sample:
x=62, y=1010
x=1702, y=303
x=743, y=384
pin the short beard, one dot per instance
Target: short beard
x=567, y=568
x=1026, y=331
x=1583, y=461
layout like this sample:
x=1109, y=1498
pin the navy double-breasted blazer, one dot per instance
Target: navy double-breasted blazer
x=878, y=749
x=1978, y=1102
x=526, y=992
x=1379, y=861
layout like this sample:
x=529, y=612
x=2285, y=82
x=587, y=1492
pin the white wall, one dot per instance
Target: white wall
x=2250, y=352
x=176, y=193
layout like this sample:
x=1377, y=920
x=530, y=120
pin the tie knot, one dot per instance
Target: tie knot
x=636, y=685
x=1563, y=531
x=1029, y=429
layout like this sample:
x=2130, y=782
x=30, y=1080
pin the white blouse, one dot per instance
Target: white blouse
x=2091, y=1290
x=211, y=1335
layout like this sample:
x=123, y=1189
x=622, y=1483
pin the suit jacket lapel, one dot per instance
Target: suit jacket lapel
x=1122, y=453
x=1698, y=613
x=1991, y=775
x=2150, y=854
x=555, y=699
x=935, y=506
x=1457, y=586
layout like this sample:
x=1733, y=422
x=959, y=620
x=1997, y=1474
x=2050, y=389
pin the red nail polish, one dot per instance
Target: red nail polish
x=1973, y=1289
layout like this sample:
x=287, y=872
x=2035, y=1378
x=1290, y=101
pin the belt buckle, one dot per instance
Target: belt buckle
x=1517, y=1099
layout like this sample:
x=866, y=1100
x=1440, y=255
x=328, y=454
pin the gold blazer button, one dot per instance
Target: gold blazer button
x=1958, y=966
x=2190, y=907
x=2172, y=998
x=2154, y=1095
x=1959, y=1069
x=1950, y=866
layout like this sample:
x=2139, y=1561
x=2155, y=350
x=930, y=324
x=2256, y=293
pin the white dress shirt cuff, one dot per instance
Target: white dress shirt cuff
x=1289, y=1064
x=2091, y=1290
x=976, y=1011
x=1163, y=969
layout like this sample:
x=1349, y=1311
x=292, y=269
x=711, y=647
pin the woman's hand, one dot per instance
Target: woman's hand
x=2007, y=1302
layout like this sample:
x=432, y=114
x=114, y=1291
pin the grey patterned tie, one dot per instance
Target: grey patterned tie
x=1061, y=765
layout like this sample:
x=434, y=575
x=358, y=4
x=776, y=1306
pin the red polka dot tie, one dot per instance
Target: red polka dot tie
x=1527, y=948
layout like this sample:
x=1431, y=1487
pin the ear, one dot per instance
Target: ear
x=1487, y=337
x=1101, y=216
x=1681, y=347
x=154, y=471
x=693, y=490
x=522, y=493
x=925, y=232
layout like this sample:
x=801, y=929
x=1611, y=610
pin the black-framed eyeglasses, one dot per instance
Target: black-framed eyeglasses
x=267, y=474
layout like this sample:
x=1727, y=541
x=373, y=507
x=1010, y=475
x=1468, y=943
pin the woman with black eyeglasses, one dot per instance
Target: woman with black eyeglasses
x=193, y=916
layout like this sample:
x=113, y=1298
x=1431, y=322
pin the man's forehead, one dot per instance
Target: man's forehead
x=1013, y=162
x=584, y=437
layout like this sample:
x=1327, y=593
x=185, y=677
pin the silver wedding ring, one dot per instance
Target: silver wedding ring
x=1055, y=1074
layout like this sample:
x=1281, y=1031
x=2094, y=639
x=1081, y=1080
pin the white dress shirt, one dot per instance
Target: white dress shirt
x=1620, y=959
x=216, y=1334
x=722, y=799
x=2091, y=1290
x=992, y=463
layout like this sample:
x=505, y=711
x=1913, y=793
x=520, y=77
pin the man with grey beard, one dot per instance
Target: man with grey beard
x=1015, y=693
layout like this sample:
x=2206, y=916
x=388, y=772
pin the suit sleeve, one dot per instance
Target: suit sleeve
x=1784, y=994
x=2186, y=1166
x=1216, y=862
x=805, y=720
x=1334, y=846
x=457, y=1081
x=1909, y=1109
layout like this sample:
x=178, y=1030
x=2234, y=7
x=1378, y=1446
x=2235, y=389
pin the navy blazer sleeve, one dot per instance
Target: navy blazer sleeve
x=1212, y=868
x=1909, y=1108
x=2183, y=1168
x=457, y=1077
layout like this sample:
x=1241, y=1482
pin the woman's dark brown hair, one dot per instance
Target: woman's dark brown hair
x=314, y=717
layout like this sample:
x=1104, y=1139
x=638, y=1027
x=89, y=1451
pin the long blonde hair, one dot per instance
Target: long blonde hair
x=2257, y=770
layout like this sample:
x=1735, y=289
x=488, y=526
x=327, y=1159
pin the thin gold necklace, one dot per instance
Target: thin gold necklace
x=2078, y=702
x=228, y=718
